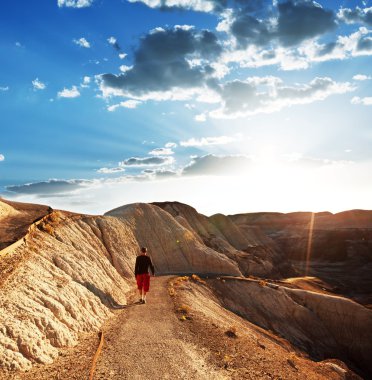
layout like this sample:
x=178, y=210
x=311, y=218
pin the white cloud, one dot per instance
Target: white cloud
x=201, y=117
x=75, y=3
x=112, y=40
x=170, y=145
x=124, y=68
x=38, y=85
x=268, y=94
x=361, y=77
x=2, y=158
x=122, y=55
x=220, y=140
x=73, y=92
x=302, y=56
x=82, y=42
x=110, y=170
x=86, y=82
x=364, y=101
x=147, y=161
x=5, y=88
x=161, y=152
x=196, y=5
x=131, y=103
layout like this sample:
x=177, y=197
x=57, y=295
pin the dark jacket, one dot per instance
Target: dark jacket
x=143, y=263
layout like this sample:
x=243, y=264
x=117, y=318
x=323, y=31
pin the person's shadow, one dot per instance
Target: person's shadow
x=105, y=298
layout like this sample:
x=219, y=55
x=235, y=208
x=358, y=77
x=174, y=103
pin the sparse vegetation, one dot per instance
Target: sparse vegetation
x=196, y=278
x=47, y=223
x=54, y=217
x=171, y=289
x=262, y=283
x=46, y=227
x=227, y=360
x=184, y=309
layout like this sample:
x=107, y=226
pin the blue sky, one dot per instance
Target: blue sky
x=230, y=106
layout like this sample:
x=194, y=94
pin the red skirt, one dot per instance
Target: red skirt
x=143, y=281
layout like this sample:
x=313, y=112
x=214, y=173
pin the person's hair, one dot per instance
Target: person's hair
x=143, y=249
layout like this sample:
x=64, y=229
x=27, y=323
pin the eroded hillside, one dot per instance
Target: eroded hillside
x=68, y=273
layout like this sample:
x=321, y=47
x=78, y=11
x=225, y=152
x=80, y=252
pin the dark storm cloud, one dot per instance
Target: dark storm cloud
x=216, y=165
x=357, y=15
x=302, y=20
x=47, y=187
x=161, y=61
x=136, y=161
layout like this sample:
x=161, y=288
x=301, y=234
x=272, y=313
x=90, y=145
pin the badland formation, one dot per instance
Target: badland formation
x=248, y=296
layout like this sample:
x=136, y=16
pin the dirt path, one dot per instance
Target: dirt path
x=149, y=342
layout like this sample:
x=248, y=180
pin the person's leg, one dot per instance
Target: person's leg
x=140, y=285
x=146, y=286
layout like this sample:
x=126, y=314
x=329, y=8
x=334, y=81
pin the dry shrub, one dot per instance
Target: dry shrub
x=45, y=227
x=182, y=279
x=262, y=283
x=196, y=278
x=54, y=217
x=171, y=290
x=179, y=281
x=183, y=309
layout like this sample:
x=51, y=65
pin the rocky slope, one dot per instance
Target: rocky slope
x=323, y=325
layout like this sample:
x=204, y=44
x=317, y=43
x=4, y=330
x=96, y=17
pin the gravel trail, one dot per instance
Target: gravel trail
x=149, y=342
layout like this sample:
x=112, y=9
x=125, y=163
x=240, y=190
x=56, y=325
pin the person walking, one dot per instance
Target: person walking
x=141, y=271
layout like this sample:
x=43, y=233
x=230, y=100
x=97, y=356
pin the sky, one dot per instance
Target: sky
x=230, y=106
